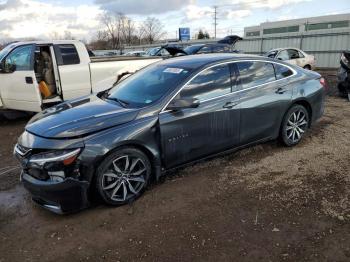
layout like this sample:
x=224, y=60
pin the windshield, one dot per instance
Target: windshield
x=192, y=49
x=5, y=51
x=152, y=51
x=148, y=85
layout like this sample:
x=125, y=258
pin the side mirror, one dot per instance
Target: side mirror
x=7, y=68
x=183, y=103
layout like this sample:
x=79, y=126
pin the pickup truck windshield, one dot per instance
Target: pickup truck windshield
x=5, y=51
x=148, y=85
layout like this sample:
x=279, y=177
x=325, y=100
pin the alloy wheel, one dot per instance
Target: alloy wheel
x=296, y=126
x=124, y=178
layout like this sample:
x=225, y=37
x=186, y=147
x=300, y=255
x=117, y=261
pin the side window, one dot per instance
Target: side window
x=282, y=71
x=204, y=50
x=283, y=55
x=69, y=55
x=255, y=73
x=21, y=58
x=301, y=55
x=293, y=54
x=211, y=83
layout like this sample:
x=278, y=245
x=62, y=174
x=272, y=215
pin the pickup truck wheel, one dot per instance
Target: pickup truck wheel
x=123, y=176
x=295, y=124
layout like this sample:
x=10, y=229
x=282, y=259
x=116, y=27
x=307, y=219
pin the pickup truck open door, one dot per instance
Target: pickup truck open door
x=21, y=91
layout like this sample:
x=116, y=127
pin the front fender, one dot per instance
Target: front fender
x=142, y=133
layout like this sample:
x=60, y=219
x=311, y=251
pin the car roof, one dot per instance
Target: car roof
x=55, y=42
x=279, y=49
x=199, y=61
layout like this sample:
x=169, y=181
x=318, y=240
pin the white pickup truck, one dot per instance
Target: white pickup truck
x=64, y=68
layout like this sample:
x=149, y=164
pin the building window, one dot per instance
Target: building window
x=280, y=30
x=253, y=33
x=330, y=25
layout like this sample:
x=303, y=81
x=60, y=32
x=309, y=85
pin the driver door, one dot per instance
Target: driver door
x=19, y=88
x=193, y=133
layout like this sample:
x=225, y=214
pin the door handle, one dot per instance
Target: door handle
x=29, y=80
x=280, y=90
x=229, y=105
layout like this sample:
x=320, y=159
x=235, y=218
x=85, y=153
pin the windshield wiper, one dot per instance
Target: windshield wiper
x=121, y=102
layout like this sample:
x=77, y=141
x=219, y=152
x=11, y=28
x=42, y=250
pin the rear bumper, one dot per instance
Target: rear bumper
x=61, y=198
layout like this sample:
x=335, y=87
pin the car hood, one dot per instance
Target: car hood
x=79, y=118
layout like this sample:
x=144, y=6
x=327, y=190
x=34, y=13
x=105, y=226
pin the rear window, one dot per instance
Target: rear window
x=69, y=55
x=282, y=71
x=255, y=73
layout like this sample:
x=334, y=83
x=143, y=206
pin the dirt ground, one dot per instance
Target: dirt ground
x=268, y=203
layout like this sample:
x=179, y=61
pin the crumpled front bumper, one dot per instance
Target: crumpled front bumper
x=68, y=196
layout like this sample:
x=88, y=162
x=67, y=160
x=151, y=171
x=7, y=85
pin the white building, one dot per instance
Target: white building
x=319, y=24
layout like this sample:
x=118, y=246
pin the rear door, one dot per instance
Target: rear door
x=193, y=133
x=263, y=100
x=19, y=88
x=73, y=71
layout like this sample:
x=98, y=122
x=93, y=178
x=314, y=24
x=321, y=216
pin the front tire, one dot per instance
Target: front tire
x=295, y=124
x=123, y=176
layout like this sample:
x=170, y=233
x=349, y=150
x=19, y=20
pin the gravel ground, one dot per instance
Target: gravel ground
x=268, y=203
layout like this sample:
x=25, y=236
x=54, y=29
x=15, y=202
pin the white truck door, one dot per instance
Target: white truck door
x=73, y=70
x=19, y=89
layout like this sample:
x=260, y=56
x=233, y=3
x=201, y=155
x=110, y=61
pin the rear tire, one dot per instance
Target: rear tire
x=307, y=67
x=295, y=124
x=123, y=176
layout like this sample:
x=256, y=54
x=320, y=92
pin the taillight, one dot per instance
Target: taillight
x=323, y=83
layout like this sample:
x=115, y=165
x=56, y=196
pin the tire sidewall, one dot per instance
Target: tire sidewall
x=284, y=136
x=108, y=161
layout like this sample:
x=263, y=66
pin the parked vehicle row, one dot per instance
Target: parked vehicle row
x=166, y=115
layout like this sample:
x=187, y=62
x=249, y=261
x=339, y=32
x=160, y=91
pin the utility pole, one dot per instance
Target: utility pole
x=215, y=19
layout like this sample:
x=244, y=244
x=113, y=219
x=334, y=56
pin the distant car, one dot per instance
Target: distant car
x=157, y=51
x=135, y=53
x=293, y=56
x=208, y=48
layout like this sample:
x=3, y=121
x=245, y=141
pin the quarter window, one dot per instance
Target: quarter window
x=211, y=83
x=255, y=73
x=69, y=55
x=282, y=71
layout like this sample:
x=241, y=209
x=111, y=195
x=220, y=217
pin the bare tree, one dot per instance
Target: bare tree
x=68, y=35
x=113, y=24
x=153, y=29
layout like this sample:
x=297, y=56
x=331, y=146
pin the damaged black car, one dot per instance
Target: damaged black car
x=166, y=115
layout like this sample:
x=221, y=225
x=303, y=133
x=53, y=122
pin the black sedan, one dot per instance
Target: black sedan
x=166, y=115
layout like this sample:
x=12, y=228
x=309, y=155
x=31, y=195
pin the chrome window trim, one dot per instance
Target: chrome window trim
x=238, y=91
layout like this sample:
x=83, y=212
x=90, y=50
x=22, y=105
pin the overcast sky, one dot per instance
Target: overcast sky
x=40, y=18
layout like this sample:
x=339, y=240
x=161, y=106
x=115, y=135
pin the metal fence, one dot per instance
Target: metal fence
x=325, y=46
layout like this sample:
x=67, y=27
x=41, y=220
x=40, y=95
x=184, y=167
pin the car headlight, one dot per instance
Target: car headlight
x=66, y=157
